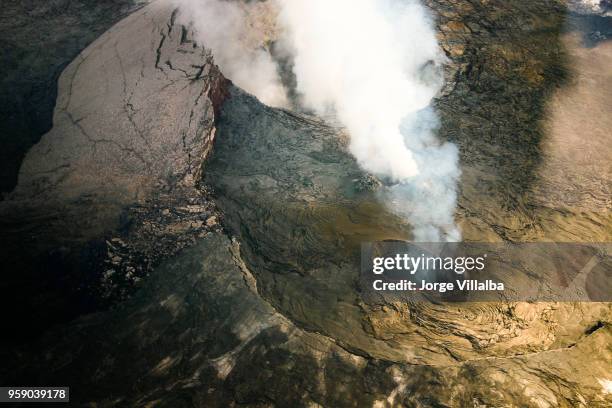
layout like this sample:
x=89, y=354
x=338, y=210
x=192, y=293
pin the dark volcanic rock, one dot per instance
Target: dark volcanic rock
x=289, y=190
x=507, y=61
x=198, y=334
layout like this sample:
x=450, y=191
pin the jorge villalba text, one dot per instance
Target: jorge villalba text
x=441, y=287
x=458, y=265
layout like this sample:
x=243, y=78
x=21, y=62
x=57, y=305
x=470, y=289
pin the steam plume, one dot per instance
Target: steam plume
x=223, y=26
x=374, y=64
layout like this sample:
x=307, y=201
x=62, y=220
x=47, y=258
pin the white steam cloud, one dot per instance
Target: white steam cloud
x=374, y=64
x=226, y=28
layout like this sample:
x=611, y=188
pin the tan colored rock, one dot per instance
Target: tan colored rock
x=135, y=113
x=212, y=221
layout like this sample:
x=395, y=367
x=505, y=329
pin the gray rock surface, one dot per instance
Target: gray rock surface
x=39, y=38
x=134, y=115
